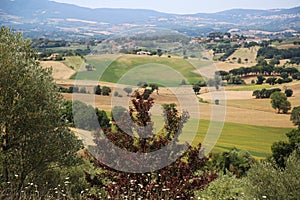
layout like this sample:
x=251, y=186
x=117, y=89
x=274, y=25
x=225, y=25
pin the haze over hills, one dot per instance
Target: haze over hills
x=48, y=18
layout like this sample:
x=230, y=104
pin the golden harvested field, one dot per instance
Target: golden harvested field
x=226, y=66
x=105, y=102
x=60, y=70
x=241, y=107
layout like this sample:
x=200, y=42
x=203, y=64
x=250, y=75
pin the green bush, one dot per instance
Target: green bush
x=224, y=187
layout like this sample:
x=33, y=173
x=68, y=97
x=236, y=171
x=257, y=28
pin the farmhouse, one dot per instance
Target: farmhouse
x=53, y=56
x=143, y=53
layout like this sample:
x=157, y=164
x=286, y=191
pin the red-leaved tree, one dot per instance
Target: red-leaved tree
x=134, y=136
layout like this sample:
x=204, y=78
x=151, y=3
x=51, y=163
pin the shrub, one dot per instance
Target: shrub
x=217, y=101
x=224, y=187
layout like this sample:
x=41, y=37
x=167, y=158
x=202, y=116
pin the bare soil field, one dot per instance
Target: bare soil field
x=60, y=70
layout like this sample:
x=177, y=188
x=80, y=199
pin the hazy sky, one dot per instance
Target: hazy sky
x=186, y=6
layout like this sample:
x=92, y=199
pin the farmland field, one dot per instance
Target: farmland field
x=255, y=139
x=59, y=70
x=246, y=53
x=250, y=124
x=114, y=67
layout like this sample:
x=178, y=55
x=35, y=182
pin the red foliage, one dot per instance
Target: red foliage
x=178, y=180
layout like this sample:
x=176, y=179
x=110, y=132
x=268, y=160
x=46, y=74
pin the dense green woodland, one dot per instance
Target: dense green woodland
x=40, y=158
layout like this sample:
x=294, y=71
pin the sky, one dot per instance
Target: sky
x=186, y=6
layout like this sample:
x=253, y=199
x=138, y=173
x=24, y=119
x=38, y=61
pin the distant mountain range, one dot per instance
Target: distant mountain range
x=37, y=18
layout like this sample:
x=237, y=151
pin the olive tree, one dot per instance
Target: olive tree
x=33, y=138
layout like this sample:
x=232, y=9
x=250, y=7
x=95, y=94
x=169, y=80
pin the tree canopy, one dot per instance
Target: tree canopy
x=33, y=140
x=279, y=102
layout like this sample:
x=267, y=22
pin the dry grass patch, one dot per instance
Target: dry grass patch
x=226, y=66
x=288, y=46
x=59, y=70
x=246, y=53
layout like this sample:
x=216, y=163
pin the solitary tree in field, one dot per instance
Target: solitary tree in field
x=279, y=102
x=34, y=140
x=239, y=60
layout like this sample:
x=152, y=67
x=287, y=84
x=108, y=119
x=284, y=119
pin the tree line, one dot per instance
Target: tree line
x=287, y=74
x=272, y=52
x=98, y=90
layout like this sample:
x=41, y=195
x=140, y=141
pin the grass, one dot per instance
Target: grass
x=99, y=62
x=257, y=140
x=132, y=69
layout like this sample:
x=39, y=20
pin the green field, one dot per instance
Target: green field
x=133, y=68
x=257, y=140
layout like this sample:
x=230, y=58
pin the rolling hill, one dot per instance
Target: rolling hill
x=38, y=18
